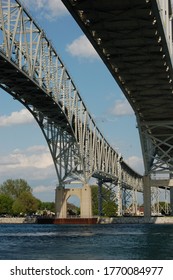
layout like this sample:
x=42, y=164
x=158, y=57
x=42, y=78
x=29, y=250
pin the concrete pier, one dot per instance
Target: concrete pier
x=84, y=195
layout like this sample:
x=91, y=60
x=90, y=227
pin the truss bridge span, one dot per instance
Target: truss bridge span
x=33, y=73
x=134, y=40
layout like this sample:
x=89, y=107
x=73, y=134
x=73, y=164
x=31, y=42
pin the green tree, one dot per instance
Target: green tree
x=94, y=191
x=26, y=203
x=14, y=188
x=47, y=206
x=109, y=205
x=6, y=203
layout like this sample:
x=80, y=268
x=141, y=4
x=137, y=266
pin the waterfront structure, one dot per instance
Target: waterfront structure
x=34, y=74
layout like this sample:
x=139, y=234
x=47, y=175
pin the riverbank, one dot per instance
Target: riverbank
x=18, y=220
x=99, y=220
x=136, y=220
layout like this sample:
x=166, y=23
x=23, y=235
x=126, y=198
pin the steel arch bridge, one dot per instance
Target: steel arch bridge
x=33, y=73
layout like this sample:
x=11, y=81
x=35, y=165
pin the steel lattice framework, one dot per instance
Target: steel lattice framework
x=134, y=39
x=33, y=73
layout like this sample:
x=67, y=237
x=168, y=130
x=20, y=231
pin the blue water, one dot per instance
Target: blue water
x=67, y=242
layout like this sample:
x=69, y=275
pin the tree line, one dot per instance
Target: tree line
x=16, y=198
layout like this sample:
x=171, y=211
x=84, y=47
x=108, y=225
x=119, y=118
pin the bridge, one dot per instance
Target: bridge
x=134, y=39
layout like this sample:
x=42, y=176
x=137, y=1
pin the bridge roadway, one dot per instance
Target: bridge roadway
x=33, y=73
x=134, y=39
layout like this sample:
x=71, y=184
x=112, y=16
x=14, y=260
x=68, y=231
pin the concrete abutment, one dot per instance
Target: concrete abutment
x=84, y=195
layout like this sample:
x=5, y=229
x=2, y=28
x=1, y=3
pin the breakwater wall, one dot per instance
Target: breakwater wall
x=17, y=220
x=136, y=220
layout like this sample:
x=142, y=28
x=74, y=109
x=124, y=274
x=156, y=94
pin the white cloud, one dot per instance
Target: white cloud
x=136, y=163
x=121, y=108
x=35, y=165
x=36, y=156
x=37, y=149
x=31, y=163
x=49, y=9
x=42, y=189
x=82, y=48
x=16, y=118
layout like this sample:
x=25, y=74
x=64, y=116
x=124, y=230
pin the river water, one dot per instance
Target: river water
x=91, y=242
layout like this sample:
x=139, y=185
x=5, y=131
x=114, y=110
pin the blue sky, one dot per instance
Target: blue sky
x=23, y=150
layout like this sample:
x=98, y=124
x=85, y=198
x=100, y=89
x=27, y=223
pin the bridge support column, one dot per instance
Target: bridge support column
x=86, y=202
x=100, y=210
x=119, y=195
x=171, y=200
x=147, y=196
x=60, y=203
x=84, y=194
x=134, y=202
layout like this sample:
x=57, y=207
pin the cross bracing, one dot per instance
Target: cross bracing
x=34, y=74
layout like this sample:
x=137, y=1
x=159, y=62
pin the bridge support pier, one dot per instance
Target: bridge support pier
x=171, y=200
x=147, y=196
x=100, y=210
x=84, y=194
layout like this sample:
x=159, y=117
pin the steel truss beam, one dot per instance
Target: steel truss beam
x=158, y=146
x=33, y=73
x=125, y=197
x=158, y=208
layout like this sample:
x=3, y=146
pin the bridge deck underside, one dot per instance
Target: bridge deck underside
x=129, y=37
x=21, y=87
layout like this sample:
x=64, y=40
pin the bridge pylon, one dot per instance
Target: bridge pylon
x=84, y=195
x=171, y=200
x=147, y=196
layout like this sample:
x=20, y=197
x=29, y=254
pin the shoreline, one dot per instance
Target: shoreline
x=137, y=220
x=18, y=220
x=99, y=220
